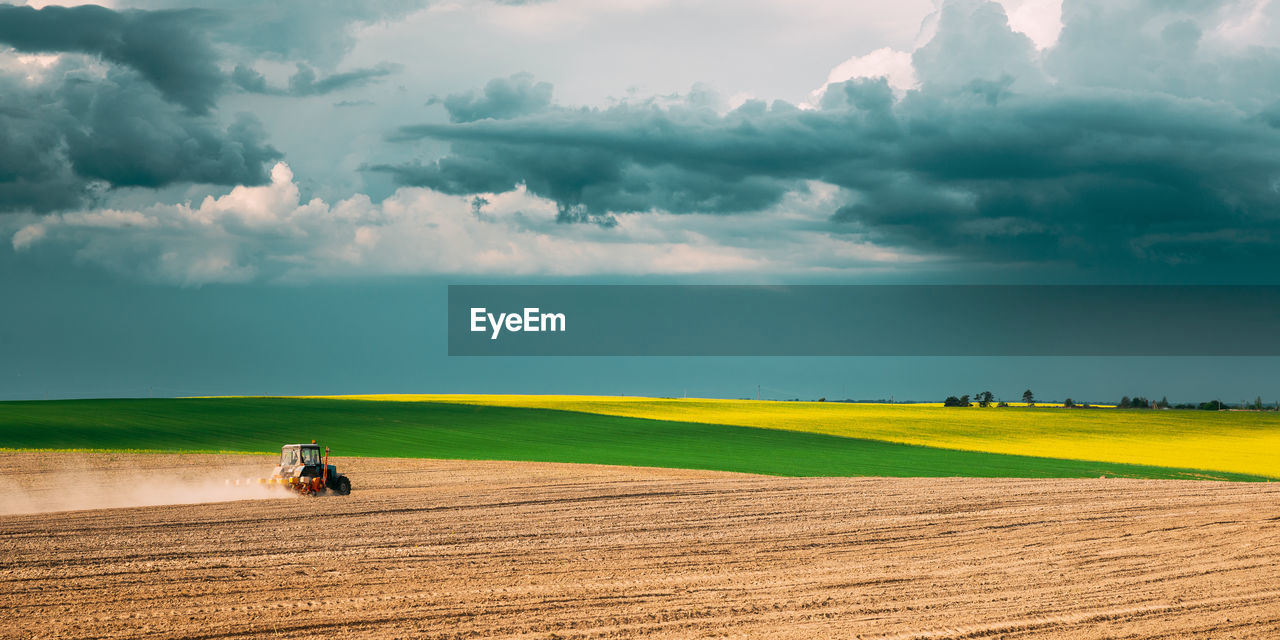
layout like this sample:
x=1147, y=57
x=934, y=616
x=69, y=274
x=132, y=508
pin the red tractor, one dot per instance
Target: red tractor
x=303, y=470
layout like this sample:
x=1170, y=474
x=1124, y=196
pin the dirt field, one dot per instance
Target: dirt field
x=439, y=549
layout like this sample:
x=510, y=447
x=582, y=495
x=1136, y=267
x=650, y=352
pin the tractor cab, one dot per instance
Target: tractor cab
x=301, y=460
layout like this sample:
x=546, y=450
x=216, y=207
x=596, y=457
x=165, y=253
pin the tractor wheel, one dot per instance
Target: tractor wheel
x=343, y=486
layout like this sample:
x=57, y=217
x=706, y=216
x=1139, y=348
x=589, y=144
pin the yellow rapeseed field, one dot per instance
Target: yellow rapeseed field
x=1237, y=441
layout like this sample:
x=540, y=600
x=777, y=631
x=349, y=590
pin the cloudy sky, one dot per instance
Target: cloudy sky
x=171, y=171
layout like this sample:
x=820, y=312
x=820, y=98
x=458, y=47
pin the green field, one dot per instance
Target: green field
x=1232, y=441
x=457, y=431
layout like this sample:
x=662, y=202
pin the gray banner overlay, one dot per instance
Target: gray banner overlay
x=863, y=320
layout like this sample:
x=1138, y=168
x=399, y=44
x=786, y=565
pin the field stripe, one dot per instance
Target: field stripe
x=454, y=431
x=1243, y=442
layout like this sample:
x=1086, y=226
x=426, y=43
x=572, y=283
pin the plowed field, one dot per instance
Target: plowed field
x=446, y=549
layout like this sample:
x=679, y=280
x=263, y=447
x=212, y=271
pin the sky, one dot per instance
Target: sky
x=241, y=197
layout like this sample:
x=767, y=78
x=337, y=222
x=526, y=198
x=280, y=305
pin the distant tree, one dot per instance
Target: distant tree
x=1257, y=404
x=822, y=399
x=1212, y=405
x=951, y=401
x=1125, y=403
x=985, y=398
x=1002, y=403
x=1139, y=402
x=1068, y=403
x=1164, y=403
x=1029, y=398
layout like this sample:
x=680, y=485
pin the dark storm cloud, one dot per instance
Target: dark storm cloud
x=168, y=48
x=305, y=82
x=593, y=162
x=126, y=136
x=596, y=162
x=173, y=47
x=502, y=98
x=1087, y=177
x=147, y=117
x=64, y=140
x=319, y=31
x=992, y=158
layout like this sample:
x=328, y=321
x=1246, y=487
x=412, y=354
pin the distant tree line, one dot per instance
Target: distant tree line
x=987, y=399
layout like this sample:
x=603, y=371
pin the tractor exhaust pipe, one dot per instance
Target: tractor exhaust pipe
x=324, y=475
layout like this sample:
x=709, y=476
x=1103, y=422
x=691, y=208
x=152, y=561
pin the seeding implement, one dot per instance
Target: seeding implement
x=303, y=470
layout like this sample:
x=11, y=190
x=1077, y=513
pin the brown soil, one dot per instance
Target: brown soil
x=449, y=549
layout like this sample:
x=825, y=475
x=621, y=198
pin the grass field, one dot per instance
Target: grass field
x=473, y=431
x=1235, y=441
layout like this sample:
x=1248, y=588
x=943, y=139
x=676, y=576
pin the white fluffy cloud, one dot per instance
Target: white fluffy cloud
x=268, y=232
x=893, y=65
x=1039, y=20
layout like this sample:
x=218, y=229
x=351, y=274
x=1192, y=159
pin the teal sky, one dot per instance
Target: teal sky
x=237, y=197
